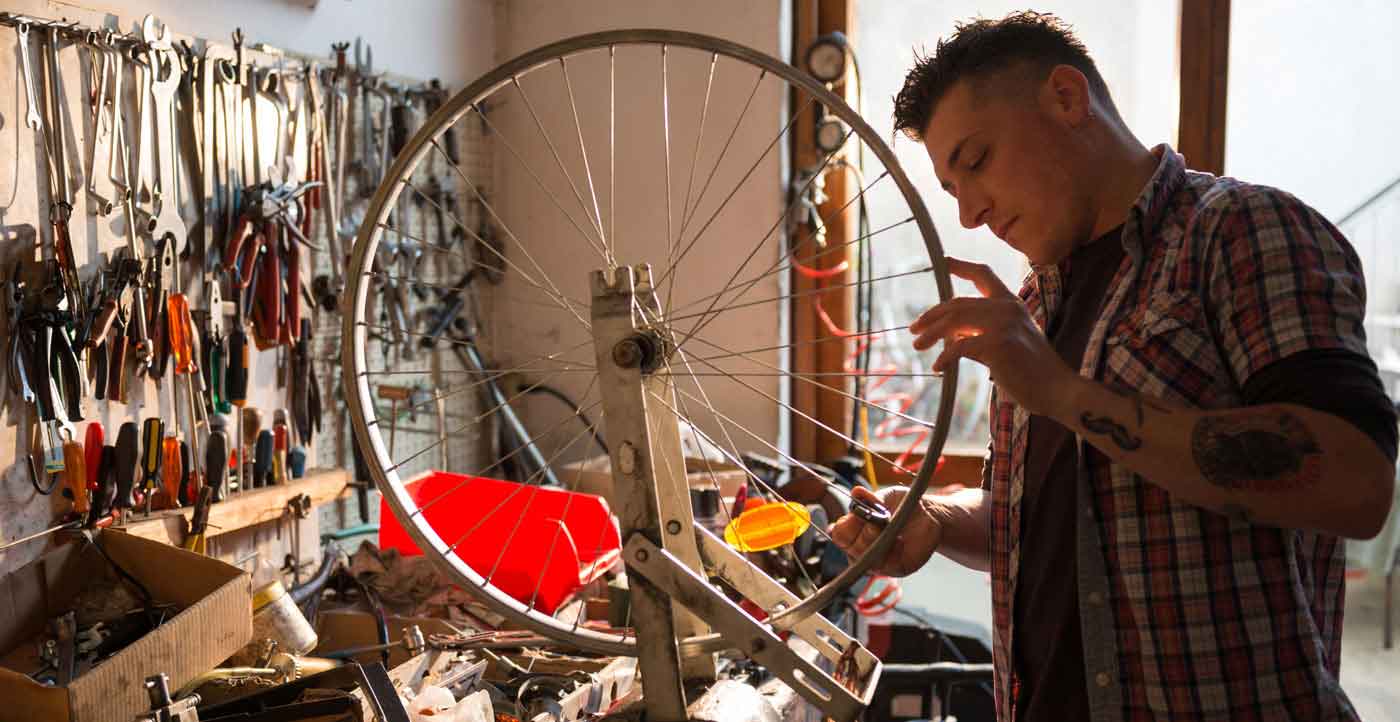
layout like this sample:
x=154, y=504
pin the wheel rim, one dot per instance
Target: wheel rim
x=356, y=331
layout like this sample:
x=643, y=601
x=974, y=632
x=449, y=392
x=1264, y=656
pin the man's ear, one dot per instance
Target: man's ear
x=1066, y=96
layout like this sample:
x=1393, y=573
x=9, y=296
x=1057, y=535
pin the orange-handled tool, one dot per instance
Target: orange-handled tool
x=177, y=309
x=75, y=475
x=92, y=453
x=170, y=470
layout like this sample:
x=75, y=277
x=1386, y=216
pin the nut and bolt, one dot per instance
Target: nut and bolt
x=628, y=353
x=673, y=526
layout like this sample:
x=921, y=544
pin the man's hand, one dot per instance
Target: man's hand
x=997, y=331
x=917, y=541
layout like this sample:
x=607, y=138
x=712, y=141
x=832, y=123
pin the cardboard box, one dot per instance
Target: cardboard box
x=215, y=620
x=594, y=476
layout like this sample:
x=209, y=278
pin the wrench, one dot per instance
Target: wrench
x=165, y=80
x=331, y=206
x=33, y=119
x=100, y=142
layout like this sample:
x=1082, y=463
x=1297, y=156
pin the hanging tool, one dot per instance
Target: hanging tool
x=165, y=81
x=171, y=472
x=279, y=447
x=394, y=394
x=92, y=453
x=216, y=462
x=151, y=435
x=75, y=476
x=262, y=459
x=104, y=499
x=250, y=426
x=189, y=476
x=125, y=462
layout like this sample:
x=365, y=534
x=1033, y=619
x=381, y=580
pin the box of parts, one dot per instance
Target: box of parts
x=201, y=608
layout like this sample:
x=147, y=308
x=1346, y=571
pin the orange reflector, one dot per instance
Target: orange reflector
x=768, y=526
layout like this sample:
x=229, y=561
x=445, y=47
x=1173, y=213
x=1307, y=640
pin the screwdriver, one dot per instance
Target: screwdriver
x=279, y=447
x=152, y=432
x=181, y=334
x=189, y=490
x=75, y=475
x=170, y=471
x=216, y=463
x=92, y=454
x=105, y=496
x=128, y=451
x=262, y=459
x=250, y=422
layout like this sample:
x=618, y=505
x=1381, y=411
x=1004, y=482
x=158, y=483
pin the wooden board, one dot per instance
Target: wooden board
x=243, y=509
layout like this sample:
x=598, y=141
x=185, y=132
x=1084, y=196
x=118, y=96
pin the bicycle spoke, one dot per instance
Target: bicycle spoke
x=700, y=233
x=558, y=161
x=587, y=170
x=519, y=488
x=740, y=464
x=489, y=209
x=518, y=450
x=687, y=215
x=803, y=377
x=786, y=214
x=823, y=425
x=801, y=294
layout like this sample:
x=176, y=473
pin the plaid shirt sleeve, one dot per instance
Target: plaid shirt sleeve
x=1279, y=279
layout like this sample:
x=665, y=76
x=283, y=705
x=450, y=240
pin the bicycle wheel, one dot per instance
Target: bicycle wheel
x=580, y=187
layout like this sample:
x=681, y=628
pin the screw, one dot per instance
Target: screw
x=673, y=526
x=627, y=353
x=642, y=555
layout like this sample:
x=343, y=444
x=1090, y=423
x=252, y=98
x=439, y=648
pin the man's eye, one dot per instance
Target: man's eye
x=977, y=163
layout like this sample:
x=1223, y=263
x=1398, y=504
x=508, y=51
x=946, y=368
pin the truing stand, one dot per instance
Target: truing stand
x=670, y=593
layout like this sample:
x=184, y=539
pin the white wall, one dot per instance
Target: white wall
x=1314, y=98
x=450, y=39
x=641, y=205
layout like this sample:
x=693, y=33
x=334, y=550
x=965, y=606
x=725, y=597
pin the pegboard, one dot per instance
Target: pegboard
x=24, y=207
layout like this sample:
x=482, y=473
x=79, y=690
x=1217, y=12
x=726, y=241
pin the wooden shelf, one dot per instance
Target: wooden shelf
x=243, y=509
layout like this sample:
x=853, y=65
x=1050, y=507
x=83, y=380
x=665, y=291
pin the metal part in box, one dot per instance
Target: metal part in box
x=214, y=598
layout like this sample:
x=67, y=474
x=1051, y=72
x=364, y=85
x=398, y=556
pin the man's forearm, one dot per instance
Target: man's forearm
x=1278, y=464
x=963, y=517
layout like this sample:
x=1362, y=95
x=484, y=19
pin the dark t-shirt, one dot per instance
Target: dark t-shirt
x=1048, y=652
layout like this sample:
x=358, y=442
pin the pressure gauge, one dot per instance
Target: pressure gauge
x=826, y=57
x=831, y=134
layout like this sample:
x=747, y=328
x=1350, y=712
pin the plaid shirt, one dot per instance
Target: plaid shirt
x=1188, y=614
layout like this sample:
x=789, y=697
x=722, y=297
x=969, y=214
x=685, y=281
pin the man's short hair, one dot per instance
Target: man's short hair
x=983, y=48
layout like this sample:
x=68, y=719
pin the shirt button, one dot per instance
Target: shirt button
x=1102, y=679
x=1095, y=598
x=1089, y=512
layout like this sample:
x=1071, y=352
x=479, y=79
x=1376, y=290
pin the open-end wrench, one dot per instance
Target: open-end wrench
x=364, y=71
x=330, y=208
x=217, y=60
x=100, y=140
x=123, y=179
x=33, y=119
x=165, y=81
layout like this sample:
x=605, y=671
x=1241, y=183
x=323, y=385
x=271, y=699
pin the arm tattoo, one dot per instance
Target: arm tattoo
x=1115, y=430
x=1256, y=451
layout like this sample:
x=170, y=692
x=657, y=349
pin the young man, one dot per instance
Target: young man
x=1186, y=422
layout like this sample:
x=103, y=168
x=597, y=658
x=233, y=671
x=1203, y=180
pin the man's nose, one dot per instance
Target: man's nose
x=972, y=208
